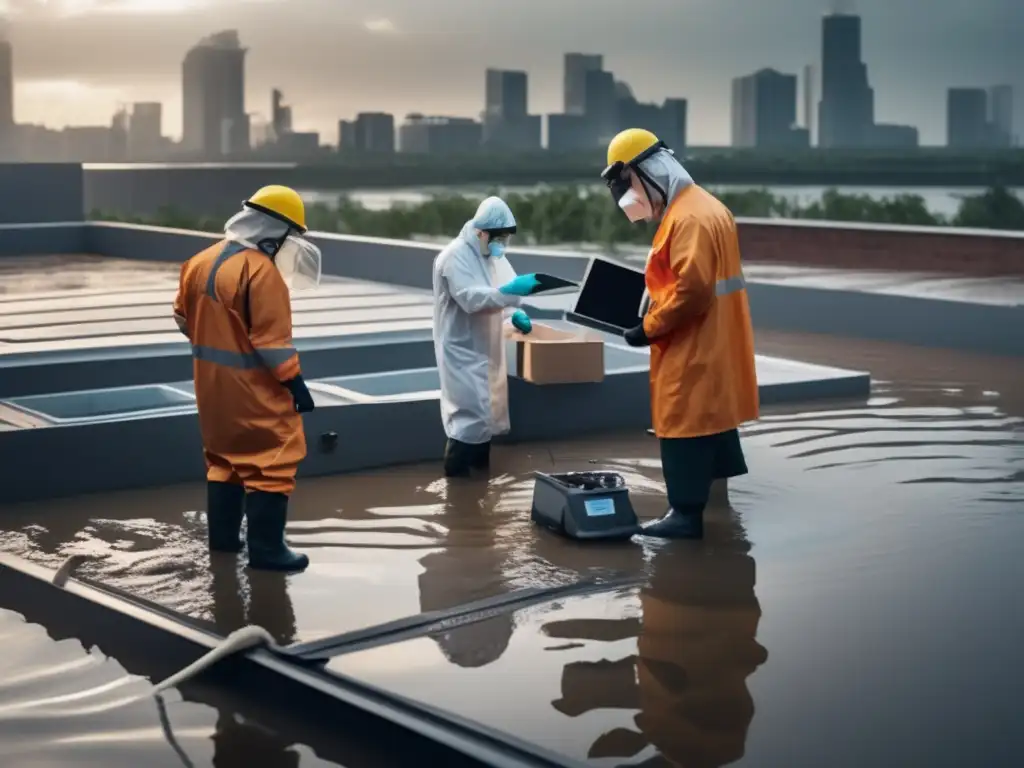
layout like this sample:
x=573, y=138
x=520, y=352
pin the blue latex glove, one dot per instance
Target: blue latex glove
x=521, y=321
x=522, y=285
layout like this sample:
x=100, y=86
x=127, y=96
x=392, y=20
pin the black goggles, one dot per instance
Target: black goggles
x=617, y=179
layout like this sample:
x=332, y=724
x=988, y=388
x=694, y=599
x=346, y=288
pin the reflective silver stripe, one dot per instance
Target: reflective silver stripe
x=230, y=249
x=244, y=360
x=730, y=285
x=274, y=356
x=270, y=357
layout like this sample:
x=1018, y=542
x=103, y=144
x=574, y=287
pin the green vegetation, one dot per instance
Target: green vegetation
x=585, y=215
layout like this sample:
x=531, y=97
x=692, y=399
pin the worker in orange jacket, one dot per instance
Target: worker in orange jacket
x=696, y=320
x=234, y=306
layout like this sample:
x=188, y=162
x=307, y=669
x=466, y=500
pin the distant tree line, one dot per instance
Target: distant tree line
x=565, y=215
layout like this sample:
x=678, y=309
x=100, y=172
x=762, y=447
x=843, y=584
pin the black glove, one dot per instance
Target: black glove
x=636, y=337
x=300, y=394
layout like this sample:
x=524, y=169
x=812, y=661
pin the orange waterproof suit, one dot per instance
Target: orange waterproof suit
x=703, y=380
x=234, y=306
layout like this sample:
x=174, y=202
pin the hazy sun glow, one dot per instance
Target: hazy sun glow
x=58, y=102
x=93, y=7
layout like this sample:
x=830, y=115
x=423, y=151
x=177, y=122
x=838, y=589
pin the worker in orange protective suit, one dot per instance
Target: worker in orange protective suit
x=696, y=320
x=233, y=304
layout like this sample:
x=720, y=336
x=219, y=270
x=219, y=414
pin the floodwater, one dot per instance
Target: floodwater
x=856, y=602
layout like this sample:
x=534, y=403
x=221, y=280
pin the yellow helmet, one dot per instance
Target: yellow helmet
x=283, y=203
x=630, y=144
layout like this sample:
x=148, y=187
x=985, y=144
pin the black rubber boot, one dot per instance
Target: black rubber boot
x=225, y=506
x=267, y=514
x=676, y=525
x=458, y=458
x=482, y=455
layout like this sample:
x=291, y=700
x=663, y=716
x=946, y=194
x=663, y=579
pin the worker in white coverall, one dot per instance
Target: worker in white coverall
x=474, y=288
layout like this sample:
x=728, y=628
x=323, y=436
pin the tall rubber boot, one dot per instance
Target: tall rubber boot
x=482, y=456
x=225, y=506
x=676, y=524
x=267, y=514
x=458, y=458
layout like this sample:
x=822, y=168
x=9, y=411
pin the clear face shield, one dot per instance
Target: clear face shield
x=299, y=262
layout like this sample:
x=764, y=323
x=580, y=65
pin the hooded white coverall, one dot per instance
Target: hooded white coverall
x=469, y=340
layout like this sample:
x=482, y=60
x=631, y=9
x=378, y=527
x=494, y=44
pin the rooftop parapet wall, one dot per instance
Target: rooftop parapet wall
x=845, y=245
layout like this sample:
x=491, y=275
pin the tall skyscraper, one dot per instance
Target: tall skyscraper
x=1000, y=114
x=575, y=84
x=213, y=97
x=280, y=115
x=6, y=86
x=764, y=111
x=809, y=97
x=600, y=105
x=506, y=94
x=507, y=122
x=145, y=130
x=846, y=113
x=967, y=125
x=7, y=129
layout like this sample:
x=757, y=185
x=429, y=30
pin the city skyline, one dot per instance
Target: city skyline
x=900, y=55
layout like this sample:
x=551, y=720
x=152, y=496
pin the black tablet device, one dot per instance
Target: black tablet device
x=610, y=296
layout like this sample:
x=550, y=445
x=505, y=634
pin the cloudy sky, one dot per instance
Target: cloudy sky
x=76, y=60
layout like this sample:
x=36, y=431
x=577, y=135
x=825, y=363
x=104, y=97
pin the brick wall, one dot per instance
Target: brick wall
x=906, y=249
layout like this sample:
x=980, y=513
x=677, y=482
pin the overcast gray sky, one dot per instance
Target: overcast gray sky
x=75, y=60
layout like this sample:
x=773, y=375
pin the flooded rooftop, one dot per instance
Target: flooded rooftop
x=850, y=606
x=50, y=303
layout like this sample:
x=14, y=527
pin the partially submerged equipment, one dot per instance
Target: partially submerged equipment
x=345, y=720
x=584, y=505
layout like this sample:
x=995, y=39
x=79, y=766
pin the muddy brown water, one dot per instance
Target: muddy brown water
x=856, y=602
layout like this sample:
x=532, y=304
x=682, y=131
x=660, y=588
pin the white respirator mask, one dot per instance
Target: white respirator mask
x=636, y=206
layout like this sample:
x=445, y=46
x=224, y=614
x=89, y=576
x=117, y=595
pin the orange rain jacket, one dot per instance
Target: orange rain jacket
x=234, y=306
x=703, y=379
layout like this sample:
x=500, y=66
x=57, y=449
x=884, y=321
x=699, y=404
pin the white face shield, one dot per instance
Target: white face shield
x=299, y=262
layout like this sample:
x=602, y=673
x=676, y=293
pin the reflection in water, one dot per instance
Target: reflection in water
x=467, y=567
x=63, y=705
x=904, y=510
x=696, y=647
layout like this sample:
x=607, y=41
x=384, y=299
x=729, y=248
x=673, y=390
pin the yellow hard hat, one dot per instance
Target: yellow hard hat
x=283, y=203
x=630, y=144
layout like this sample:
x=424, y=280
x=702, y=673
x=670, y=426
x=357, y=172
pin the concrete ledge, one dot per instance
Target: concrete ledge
x=55, y=461
x=981, y=328
x=44, y=372
x=36, y=239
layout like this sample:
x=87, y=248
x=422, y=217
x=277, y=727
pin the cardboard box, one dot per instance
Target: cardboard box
x=550, y=356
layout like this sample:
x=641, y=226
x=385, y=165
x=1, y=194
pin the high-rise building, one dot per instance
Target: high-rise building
x=280, y=114
x=764, y=111
x=7, y=130
x=967, y=125
x=506, y=94
x=425, y=134
x=809, y=98
x=1000, y=115
x=145, y=130
x=846, y=112
x=213, y=97
x=507, y=122
x=371, y=133
x=575, y=84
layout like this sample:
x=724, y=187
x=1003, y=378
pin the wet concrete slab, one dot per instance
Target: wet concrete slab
x=997, y=291
x=59, y=303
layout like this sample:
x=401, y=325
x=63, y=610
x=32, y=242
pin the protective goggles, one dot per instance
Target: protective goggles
x=617, y=178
